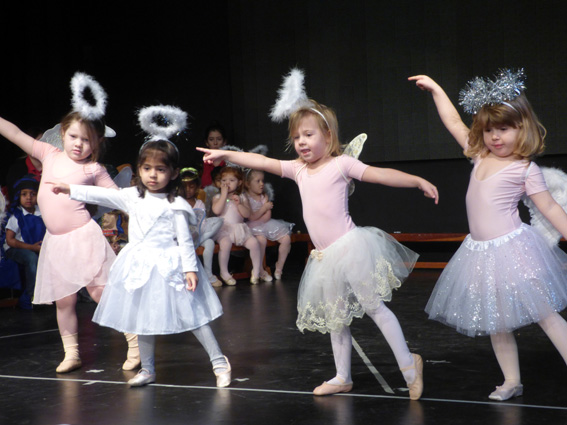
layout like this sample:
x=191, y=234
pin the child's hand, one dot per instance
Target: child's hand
x=429, y=190
x=212, y=156
x=235, y=198
x=424, y=82
x=192, y=279
x=268, y=206
x=60, y=188
x=224, y=189
x=36, y=247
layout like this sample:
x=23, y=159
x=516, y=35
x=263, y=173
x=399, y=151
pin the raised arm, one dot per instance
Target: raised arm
x=447, y=111
x=16, y=136
x=245, y=159
x=396, y=178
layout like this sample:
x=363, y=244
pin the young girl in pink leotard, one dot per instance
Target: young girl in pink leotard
x=354, y=269
x=234, y=208
x=74, y=253
x=504, y=275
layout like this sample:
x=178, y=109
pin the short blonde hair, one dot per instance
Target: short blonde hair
x=328, y=125
x=517, y=113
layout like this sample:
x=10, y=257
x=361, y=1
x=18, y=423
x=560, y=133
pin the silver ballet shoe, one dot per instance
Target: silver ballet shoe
x=501, y=393
x=144, y=377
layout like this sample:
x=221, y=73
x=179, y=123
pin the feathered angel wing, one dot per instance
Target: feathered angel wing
x=556, y=181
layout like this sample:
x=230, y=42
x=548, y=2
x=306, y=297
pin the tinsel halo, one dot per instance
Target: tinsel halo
x=506, y=86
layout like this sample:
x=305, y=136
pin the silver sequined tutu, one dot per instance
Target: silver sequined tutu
x=500, y=285
x=349, y=277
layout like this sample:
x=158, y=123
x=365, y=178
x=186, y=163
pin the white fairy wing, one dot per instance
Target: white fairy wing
x=2, y=208
x=353, y=149
x=269, y=190
x=556, y=181
x=53, y=137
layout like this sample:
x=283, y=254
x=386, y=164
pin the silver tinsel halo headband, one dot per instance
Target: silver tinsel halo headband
x=174, y=119
x=506, y=86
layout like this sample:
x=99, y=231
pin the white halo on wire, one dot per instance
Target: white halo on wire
x=79, y=83
x=291, y=96
x=175, y=119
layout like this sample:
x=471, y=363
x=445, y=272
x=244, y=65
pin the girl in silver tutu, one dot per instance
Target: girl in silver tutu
x=354, y=269
x=157, y=286
x=263, y=226
x=505, y=275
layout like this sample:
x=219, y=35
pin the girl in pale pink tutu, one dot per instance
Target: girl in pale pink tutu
x=74, y=253
x=234, y=208
x=263, y=226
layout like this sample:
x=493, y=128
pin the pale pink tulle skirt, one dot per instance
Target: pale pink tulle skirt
x=72, y=261
x=238, y=233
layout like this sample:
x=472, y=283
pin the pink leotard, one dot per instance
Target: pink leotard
x=324, y=196
x=492, y=203
x=60, y=214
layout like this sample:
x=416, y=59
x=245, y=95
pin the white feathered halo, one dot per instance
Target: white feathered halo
x=291, y=96
x=173, y=121
x=556, y=181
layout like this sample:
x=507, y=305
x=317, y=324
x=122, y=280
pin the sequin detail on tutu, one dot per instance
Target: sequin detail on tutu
x=354, y=274
x=501, y=284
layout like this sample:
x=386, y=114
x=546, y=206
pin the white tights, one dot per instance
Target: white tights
x=506, y=350
x=392, y=331
x=204, y=335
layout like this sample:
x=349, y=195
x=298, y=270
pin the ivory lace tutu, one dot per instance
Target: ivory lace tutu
x=71, y=261
x=354, y=274
x=501, y=284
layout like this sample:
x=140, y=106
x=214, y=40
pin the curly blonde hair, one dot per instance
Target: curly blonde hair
x=517, y=113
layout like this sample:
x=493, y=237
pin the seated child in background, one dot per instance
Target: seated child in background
x=24, y=234
x=234, y=208
x=263, y=226
x=202, y=235
x=215, y=138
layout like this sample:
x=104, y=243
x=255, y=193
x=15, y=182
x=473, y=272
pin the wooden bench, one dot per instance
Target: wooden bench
x=401, y=237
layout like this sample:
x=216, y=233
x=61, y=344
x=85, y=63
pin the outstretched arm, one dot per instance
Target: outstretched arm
x=245, y=159
x=447, y=111
x=16, y=136
x=396, y=178
x=551, y=210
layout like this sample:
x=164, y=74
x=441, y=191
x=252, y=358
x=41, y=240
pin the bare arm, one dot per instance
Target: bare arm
x=551, y=210
x=263, y=214
x=16, y=136
x=14, y=243
x=447, y=111
x=396, y=178
x=246, y=159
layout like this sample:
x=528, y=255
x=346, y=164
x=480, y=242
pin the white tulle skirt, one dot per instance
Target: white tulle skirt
x=351, y=276
x=146, y=294
x=500, y=285
x=71, y=261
